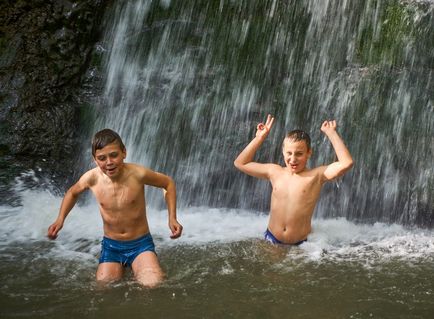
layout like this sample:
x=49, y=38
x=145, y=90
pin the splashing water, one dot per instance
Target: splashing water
x=331, y=239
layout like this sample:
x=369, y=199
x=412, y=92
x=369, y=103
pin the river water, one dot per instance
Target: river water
x=219, y=268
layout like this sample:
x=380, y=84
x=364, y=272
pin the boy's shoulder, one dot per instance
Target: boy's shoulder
x=275, y=169
x=318, y=171
x=91, y=176
x=130, y=165
x=136, y=170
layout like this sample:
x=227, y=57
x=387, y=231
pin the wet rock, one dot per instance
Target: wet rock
x=45, y=48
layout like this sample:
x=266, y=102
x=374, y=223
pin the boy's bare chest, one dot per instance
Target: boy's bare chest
x=293, y=187
x=119, y=196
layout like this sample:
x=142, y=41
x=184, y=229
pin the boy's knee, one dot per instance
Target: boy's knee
x=150, y=277
x=108, y=273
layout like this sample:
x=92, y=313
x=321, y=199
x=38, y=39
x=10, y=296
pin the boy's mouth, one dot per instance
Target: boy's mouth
x=294, y=167
x=111, y=169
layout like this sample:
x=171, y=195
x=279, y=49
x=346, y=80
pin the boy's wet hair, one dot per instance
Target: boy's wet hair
x=105, y=137
x=298, y=135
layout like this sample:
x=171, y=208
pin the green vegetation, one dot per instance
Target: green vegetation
x=402, y=27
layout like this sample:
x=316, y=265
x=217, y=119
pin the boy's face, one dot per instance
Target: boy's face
x=110, y=159
x=296, y=155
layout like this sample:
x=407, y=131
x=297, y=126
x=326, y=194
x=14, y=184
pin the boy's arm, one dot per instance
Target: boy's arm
x=345, y=161
x=244, y=161
x=68, y=203
x=163, y=181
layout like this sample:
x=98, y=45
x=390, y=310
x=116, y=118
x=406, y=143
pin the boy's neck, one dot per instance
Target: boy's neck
x=288, y=169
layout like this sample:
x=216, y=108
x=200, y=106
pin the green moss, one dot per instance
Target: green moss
x=3, y=43
x=387, y=45
x=95, y=59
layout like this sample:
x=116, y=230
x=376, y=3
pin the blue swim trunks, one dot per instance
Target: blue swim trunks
x=125, y=251
x=268, y=236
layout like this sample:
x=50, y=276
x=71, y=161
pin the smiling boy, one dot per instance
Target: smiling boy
x=295, y=188
x=119, y=189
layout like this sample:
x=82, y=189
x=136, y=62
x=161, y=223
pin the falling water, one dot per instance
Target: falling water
x=187, y=82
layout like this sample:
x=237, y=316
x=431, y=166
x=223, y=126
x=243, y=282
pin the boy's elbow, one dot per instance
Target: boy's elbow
x=170, y=184
x=349, y=165
x=237, y=164
x=344, y=167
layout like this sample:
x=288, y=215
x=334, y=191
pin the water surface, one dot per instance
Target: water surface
x=220, y=268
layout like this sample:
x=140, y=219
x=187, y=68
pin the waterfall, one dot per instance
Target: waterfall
x=186, y=82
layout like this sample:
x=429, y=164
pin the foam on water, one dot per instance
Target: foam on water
x=339, y=239
x=331, y=239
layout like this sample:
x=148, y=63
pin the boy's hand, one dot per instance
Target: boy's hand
x=262, y=129
x=176, y=229
x=54, y=229
x=328, y=127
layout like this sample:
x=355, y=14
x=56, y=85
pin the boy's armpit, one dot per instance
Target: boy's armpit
x=260, y=170
x=156, y=179
x=319, y=171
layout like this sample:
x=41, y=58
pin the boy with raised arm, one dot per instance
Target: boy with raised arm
x=119, y=190
x=295, y=188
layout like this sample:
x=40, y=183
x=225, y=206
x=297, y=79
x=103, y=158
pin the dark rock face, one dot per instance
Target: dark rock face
x=45, y=47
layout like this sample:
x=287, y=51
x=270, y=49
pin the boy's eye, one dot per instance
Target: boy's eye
x=101, y=158
x=113, y=155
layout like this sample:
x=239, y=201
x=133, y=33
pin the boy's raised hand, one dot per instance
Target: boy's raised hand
x=262, y=129
x=328, y=126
